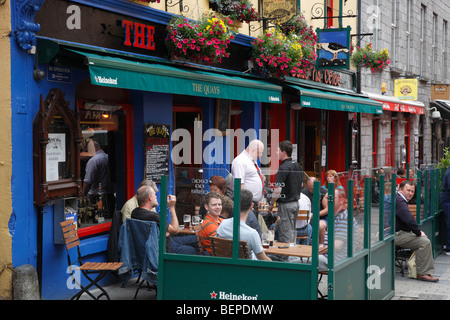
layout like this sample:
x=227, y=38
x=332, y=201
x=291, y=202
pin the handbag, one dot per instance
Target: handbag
x=412, y=271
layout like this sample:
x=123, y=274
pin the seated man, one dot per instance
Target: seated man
x=213, y=206
x=408, y=235
x=132, y=203
x=340, y=230
x=146, y=197
x=248, y=234
x=304, y=228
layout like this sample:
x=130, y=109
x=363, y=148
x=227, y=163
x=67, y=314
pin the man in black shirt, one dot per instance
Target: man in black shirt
x=146, y=197
x=408, y=234
x=288, y=185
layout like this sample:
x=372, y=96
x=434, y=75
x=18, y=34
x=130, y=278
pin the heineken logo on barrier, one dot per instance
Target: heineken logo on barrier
x=105, y=80
x=231, y=296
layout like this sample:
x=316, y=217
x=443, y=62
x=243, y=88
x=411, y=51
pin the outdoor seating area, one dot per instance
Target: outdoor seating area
x=369, y=240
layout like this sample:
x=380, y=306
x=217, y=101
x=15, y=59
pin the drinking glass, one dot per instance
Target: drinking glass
x=265, y=240
x=187, y=221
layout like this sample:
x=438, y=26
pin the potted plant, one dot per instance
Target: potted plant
x=205, y=40
x=240, y=10
x=277, y=55
x=368, y=58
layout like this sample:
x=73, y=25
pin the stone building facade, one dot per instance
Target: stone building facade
x=415, y=33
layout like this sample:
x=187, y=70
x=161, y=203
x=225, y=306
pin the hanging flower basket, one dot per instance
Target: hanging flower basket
x=240, y=10
x=205, y=40
x=280, y=53
x=368, y=58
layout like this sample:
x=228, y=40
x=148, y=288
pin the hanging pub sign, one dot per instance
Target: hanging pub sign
x=157, y=147
x=279, y=11
x=405, y=89
x=333, y=48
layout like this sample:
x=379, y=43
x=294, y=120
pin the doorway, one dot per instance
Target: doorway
x=188, y=172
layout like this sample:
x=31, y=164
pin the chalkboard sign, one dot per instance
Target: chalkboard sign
x=157, y=145
x=223, y=114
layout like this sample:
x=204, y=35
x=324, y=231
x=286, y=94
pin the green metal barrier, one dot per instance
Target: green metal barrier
x=189, y=277
x=429, y=216
x=366, y=273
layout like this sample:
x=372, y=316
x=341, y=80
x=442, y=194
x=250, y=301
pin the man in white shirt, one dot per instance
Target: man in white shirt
x=244, y=167
x=247, y=234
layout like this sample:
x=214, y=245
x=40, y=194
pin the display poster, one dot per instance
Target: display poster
x=55, y=153
x=157, y=151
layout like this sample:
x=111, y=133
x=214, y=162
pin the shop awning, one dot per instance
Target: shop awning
x=128, y=74
x=391, y=103
x=328, y=100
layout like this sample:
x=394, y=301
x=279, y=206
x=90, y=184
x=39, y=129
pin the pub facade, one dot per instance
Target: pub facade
x=85, y=71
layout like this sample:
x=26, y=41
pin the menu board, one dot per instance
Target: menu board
x=157, y=148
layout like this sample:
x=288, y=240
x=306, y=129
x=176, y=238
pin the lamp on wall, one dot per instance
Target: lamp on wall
x=435, y=115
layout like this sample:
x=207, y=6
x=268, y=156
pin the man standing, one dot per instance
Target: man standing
x=408, y=235
x=444, y=199
x=288, y=185
x=247, y=234
x=244, y=167
x=97, y=174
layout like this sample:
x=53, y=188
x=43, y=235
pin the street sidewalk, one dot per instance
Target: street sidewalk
x=412, y=289
x=405, y=287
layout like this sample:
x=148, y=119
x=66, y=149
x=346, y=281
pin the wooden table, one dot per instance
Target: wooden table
x=189, y=231
x=300, y=250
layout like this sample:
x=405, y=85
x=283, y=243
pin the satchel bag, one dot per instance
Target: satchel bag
x=412, y=271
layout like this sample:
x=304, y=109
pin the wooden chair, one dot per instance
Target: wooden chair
x=199, y=241
x=303, y=215
x=224, y=248
x=70, y=234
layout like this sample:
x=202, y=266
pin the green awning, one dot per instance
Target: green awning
x=128, y=74
x=327, y=100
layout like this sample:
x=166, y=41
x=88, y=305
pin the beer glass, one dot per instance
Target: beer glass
x=187, y=221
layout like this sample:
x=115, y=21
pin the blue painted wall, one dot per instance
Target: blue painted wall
x=148, y=107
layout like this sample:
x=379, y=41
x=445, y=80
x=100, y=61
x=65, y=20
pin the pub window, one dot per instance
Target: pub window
x=422, y=39
x=102, y=130
x=56, y=139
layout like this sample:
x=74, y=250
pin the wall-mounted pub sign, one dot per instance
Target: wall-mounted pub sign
x=333, y=48
x=280, y=10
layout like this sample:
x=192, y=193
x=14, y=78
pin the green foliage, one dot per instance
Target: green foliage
x=445, y=161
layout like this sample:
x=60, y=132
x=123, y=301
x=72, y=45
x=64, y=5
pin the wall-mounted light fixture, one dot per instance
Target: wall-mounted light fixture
x=435, y=115
x=38, y=74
